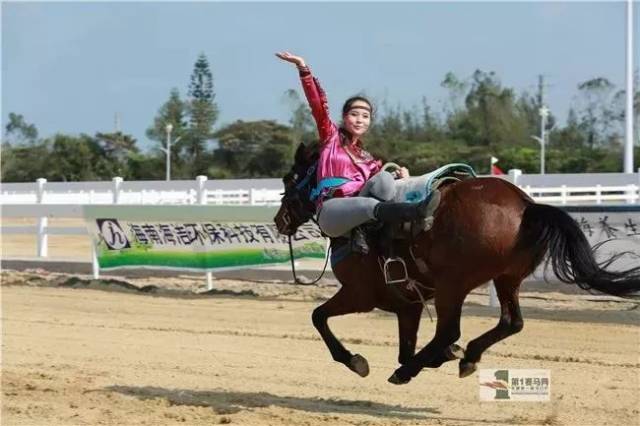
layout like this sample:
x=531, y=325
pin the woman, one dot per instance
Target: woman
x=351, y=188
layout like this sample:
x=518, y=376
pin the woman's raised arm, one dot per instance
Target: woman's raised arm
x=316, y=97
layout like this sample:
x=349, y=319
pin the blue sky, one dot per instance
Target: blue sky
x=69, y=67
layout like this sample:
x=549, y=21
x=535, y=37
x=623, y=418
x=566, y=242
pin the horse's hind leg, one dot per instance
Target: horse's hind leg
x=343, y=302
x=510, y=323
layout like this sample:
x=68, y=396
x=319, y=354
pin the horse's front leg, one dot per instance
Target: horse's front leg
x=441, y=348
x=343, y=302
x=408, y=324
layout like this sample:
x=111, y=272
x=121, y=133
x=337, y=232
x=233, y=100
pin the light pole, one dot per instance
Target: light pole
x=169, y=128
x=167, y=150
x=629, y=139
x=544, y=113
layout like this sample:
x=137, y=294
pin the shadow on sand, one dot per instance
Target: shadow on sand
x=228, y=402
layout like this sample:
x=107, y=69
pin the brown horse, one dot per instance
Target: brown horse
x=484, y=229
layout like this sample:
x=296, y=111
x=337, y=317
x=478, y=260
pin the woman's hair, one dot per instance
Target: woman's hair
x=345, y=109
x=349, y=103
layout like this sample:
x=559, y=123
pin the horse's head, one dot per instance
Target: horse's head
x=296, y=207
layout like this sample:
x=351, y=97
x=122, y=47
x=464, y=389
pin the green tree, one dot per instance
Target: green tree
x=596, y=114
x=301, y=121
x=570, y=136
x=18, y=131
x=203, y=113
x=24, y=163
x=21, y=152
x=528, y=110
x=74, y=159
x=146, y=166
x=619, y=106
x=173, y=112
x=492, y=118
x=113, y=151
x=456, y=89
x=254, y=149
x=431, y=128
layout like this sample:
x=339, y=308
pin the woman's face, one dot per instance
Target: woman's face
x=358, y=118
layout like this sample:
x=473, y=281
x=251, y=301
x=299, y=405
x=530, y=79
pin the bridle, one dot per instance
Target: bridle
x=297, y=209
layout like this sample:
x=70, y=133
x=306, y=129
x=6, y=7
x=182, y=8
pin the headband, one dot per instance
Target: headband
x=360, y=107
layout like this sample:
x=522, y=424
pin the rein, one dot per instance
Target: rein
x=304, y=182
x=293, y=267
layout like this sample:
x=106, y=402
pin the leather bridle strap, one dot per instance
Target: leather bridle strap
x=293, y=266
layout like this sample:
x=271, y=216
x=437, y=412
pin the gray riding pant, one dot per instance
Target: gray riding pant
x=338, y=216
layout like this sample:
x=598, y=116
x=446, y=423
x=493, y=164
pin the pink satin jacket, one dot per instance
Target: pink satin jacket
x=334, y=160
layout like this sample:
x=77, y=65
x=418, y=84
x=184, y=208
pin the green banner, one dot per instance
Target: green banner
x=123, y=239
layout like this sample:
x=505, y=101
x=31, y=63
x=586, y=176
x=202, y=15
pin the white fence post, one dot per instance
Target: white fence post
x=252, y=197
x=630, y=194
x=95, y=266
x=514, y=175
x=202, y=199
x=563, y=194
x=117, y=184
x=598, y=194
x=43, y=240
x=201, y=192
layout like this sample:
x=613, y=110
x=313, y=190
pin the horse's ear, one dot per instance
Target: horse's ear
x=313, y=151
x=300, y=153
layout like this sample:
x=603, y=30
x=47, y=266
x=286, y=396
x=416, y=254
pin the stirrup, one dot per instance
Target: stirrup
x=387, y=276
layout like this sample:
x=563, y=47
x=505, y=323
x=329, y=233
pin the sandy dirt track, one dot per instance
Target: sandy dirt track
x=87, y=356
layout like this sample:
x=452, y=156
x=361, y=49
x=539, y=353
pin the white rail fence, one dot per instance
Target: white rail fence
x=611, y=188
x=118, y=191
x=44, y=200
x=598, y=188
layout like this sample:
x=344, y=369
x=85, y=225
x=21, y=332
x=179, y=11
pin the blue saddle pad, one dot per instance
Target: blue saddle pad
x=416, y=189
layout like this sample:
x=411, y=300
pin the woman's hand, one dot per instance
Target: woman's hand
x=401, y=173
x=289, y=57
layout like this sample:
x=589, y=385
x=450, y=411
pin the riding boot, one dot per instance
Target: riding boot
x=359, y=241
x=385, y=241
x=390, y=212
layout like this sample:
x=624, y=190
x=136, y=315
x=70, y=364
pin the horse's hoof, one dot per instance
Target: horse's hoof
x=467, y=368
x=396, y=380
x=454, y=352
x=359, y=364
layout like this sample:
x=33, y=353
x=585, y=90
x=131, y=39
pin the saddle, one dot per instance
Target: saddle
x=388, y=239
x=416, y=189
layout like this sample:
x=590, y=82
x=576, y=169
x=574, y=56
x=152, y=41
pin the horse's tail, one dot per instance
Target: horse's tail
x=549, y=229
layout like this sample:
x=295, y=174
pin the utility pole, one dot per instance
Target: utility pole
x=540, y=97
x=544, y=113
